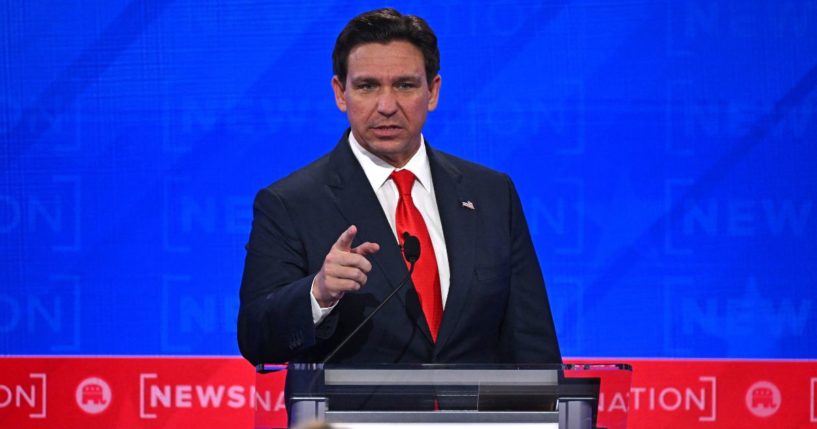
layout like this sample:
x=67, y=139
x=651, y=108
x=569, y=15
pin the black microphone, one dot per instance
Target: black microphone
x=411, y=251
x=411, y=248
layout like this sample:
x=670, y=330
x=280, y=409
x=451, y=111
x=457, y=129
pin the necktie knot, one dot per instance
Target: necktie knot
x=404, y=180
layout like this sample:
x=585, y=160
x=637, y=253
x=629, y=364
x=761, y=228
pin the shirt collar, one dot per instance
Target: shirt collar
x=378, y=170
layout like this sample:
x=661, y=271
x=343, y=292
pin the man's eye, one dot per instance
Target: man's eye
x=406, y=85
x=365, y=87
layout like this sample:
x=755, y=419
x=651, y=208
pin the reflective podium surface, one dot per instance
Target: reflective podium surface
x=450, y=396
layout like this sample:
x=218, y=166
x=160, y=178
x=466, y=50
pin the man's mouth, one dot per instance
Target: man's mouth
x=386, y=131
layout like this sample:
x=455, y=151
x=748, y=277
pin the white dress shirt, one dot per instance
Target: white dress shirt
x=377, y=172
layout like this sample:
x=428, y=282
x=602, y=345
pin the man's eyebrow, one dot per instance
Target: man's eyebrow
x=370, y=79
x=364, y=79
x=408, y=78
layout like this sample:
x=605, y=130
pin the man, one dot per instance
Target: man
x=325, y=246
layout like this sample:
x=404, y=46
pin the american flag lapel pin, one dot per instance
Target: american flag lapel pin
x=468, y=204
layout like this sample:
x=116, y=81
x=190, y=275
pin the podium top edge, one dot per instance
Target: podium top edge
x=306, y=366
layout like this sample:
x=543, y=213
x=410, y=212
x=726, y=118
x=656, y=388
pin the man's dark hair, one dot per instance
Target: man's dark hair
x=384, y=26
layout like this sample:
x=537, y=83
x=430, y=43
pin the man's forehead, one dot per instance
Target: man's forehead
x=395, y=53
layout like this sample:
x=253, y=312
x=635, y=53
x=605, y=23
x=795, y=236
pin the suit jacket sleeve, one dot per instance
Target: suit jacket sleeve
x=528, y=334
x=275, y=319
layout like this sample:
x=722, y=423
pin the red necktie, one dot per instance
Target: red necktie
x=426, y=277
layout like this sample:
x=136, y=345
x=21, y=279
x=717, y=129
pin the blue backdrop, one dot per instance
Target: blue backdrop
x=665, y=152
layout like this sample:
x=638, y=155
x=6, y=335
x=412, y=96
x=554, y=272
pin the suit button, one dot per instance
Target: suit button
x=295, y=340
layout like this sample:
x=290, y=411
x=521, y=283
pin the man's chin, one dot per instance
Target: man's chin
x=387, y=145
x=396, y=152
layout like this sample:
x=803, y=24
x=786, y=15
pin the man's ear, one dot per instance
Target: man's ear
x=338, y=89
x=434, y=89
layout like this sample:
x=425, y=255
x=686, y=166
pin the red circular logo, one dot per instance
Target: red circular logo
x=763, y=399
x=93, y=395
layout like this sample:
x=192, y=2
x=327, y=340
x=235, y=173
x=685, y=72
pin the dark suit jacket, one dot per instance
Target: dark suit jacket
x=497, y=309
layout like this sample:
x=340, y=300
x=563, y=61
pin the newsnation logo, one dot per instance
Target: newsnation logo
x=81, y=392
x=156, y=396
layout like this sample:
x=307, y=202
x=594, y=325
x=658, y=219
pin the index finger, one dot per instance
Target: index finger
x=345, y=240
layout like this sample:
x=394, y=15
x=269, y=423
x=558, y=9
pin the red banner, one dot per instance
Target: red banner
x=170, y=392
x=89, y=392
x=716, y=394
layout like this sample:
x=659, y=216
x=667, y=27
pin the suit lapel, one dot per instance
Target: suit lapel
x=359, y=205
x=459, y=227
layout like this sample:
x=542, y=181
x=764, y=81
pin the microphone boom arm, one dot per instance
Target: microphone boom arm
x=377, y=309
x=411, y=251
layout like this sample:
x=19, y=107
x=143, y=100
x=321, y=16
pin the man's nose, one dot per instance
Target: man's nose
x=387, y=103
